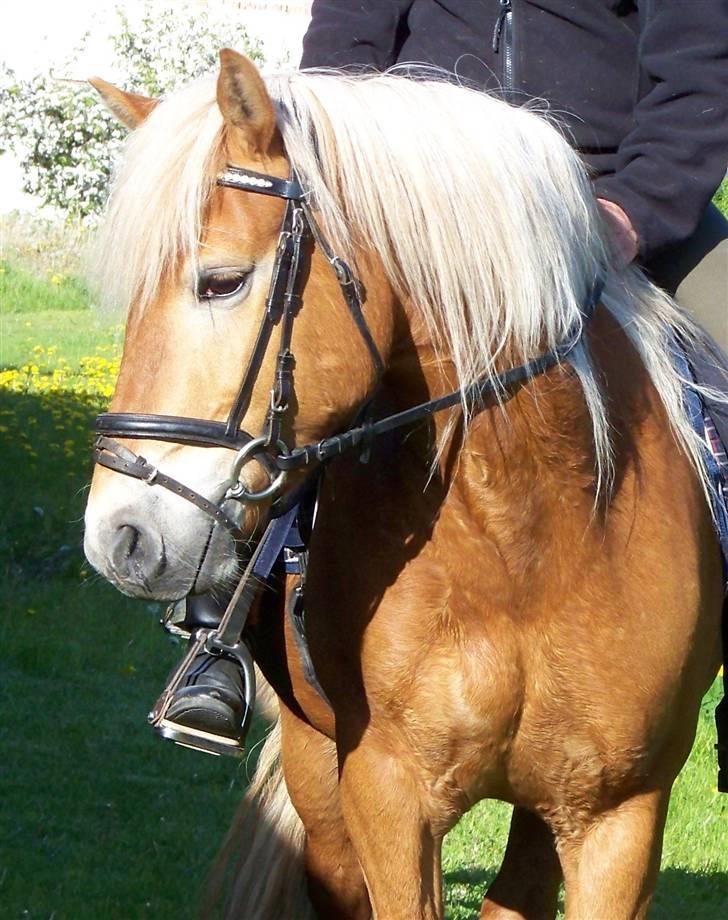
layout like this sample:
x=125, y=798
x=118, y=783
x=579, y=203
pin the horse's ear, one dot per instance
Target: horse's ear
x=244, y=101
x=130, y=108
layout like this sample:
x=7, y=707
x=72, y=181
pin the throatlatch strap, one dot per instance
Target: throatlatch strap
x=351, y=288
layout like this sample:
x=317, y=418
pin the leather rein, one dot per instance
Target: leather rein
x=285, y=299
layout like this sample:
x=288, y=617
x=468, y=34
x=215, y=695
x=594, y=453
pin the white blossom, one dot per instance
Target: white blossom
x=62, y=134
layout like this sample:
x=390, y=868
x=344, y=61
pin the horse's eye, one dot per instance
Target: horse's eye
x=220, y=283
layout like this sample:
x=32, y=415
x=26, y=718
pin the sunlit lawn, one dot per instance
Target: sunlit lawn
x=98, y=818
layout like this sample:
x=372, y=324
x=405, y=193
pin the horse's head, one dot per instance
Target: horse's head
x=202, y=265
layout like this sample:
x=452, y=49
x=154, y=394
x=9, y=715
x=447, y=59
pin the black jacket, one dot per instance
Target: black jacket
x=642, y=85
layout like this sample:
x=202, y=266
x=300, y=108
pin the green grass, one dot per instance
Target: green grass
x=100, y=819
x=75, y=333
x=43, y=299
x=22, y=291
x=721, y=197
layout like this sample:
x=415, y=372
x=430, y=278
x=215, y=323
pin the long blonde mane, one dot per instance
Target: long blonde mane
x=482, y=214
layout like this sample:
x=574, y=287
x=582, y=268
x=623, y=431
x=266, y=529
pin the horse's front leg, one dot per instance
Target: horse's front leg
x=336, y=885
x=611, y=866
x=398, y=849
x=527, y=885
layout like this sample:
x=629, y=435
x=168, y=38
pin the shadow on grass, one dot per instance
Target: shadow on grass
x=466, y=888
x=680, y=893
x=46, y=443
x=697, y=895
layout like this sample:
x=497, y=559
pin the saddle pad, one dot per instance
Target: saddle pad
x=716, y=452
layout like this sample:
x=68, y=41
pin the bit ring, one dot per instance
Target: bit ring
x=238, y=491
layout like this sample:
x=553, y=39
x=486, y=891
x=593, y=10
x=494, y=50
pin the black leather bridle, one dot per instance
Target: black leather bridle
x=283, y=303
x=299, y=228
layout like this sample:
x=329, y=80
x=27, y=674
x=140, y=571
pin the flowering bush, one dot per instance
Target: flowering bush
x=64, y=137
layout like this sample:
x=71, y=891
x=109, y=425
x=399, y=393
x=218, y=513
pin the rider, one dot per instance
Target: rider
x=641, y=87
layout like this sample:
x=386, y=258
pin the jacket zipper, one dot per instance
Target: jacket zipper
x=503, y=32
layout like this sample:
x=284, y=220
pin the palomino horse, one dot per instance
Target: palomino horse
x=516, y=598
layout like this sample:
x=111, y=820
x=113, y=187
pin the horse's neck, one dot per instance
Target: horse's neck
x=510, y=476
x=543, y=425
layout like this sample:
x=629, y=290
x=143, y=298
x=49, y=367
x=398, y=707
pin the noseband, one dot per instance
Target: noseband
x=299, y=229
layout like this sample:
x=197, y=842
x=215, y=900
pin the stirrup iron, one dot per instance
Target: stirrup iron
x=195, y=738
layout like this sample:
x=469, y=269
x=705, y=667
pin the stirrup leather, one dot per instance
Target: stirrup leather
x=195, y=738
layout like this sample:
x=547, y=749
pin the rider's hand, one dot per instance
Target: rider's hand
x=624, y=236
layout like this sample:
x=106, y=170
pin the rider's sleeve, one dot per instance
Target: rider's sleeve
x=670, y=163
x=363, y=33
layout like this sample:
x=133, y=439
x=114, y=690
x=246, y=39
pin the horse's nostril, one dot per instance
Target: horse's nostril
x=126, y=544
x=128, y=540
x=136, y=553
